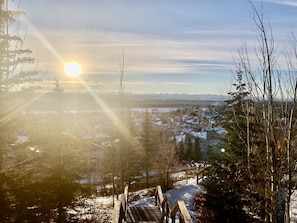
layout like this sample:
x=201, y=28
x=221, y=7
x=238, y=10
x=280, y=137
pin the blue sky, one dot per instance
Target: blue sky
x=170, y=46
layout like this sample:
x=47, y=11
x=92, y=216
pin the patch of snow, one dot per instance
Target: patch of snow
x=34, y=149
x=96, y=209
x=180, y=138
x=87, y=136
x=22, y=139
x=159, y=123
x=101, y=135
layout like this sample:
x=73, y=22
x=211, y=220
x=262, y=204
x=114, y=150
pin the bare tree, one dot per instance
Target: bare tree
x=166, y=161
x=261, y=107
x=289, y=92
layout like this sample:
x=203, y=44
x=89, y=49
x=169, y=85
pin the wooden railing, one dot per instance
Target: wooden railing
x=201, y=172
x=167, y=209
x=120, y=208
x=184, y=215
x=162, y=203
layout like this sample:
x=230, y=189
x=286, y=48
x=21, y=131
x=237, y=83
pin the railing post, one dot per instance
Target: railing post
x=168, y=206
x=120, y=208
x=116, y=218
x=158, y=196
x=125, y=200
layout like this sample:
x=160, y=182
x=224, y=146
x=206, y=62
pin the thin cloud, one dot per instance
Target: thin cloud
x=166, y=45
x=284, y=2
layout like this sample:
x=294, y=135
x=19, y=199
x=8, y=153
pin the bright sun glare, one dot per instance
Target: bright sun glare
x=72, y=69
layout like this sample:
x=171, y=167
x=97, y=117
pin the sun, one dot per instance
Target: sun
x=72, y=69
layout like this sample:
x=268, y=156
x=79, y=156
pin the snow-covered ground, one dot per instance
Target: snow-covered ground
x=100, y=209
x=96, y=209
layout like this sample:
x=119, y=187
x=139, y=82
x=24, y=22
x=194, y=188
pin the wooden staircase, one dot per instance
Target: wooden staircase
x=147, y=214
x=162, y=211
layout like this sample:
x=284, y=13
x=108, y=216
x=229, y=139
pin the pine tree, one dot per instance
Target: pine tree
x=189, y=153
x=148, y=142
x=181, y=151
x=197, y=150
x=13, y=78
x=13, y=55
x=128, y=156
x=227, y=178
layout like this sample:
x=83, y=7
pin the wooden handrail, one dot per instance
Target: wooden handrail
x=162, y=203
x=201, y=172
x=125, y=197
x=159, y=197
x=183, y=213
x=118, y=215
x=120, y=208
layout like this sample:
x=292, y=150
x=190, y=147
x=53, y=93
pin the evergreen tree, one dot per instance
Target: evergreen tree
x=148, y=142
x=181, y=151
x=128, y=155
x=51, y=167
x=133, y=155
x=225, y=189
x=13, y=78
x=13, y=55
x=197, y=150
x=189, y=152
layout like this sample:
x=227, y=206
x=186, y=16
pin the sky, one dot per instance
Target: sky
x=162, y=46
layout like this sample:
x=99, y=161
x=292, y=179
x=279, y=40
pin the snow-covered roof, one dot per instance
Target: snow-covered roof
x=201, y=135
x=180, y=138
x=212, y=121
x=101, y=135
x=219, y=130
x=192, y=120
x=22, y=139
x=159, y=123
x=98, y=135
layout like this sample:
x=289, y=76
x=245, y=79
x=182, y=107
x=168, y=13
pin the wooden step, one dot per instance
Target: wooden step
x=143, y=214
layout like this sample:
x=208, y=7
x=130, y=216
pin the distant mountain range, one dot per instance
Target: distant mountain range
x=83, y=101
x=196, y=97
